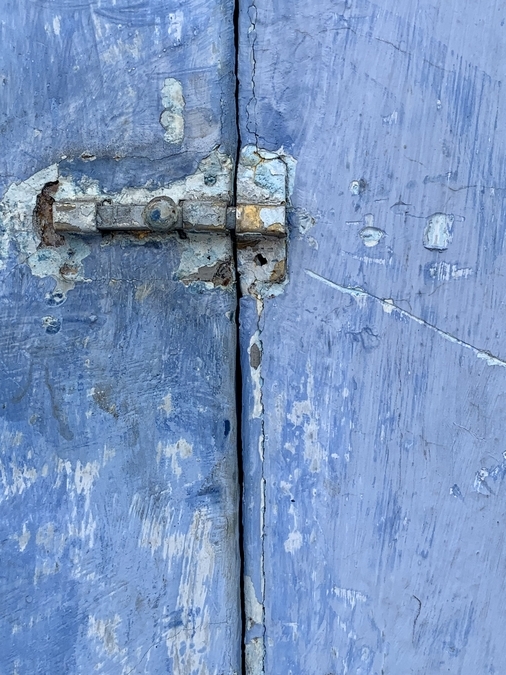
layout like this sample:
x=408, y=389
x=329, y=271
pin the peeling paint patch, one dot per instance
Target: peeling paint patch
x=265, y=177
x=255, y=356
x=254, y=610
x=371, y=236
x=16, y=213
x=438, y=231
x=179, y=450
x=207, y=260
x=172, y=117
x=63, y=263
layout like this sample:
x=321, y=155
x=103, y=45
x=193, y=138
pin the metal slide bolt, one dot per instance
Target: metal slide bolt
x=161, y=214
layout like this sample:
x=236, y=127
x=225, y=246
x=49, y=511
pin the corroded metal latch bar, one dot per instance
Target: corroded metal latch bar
x=161, y=214
x=258, y=219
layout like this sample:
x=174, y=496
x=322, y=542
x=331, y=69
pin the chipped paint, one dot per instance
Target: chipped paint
x=207, y=260
x=261, y=219
x=265, y=177
x=371, y=236
x=177, y=451
x=172, y=117
x=438, y=231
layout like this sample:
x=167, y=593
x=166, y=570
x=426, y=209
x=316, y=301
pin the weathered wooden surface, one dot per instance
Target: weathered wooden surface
x=118, y=482
x=118, y=473
x=86, y=77
x=374, y=425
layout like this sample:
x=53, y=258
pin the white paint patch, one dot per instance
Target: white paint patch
x=175, y=28
x=254, y=656
x=256, y=377
x=172, y=117
x=196, y=578
x=438, y=231
x=23, y=538
x=350, y=596
x=254, y=609
x=293, y=542
x=104, y=630
x=179, y=450
x=305, y=415
x=371, y=236
x=444, y=271
x=166, y=405
x=56, y=25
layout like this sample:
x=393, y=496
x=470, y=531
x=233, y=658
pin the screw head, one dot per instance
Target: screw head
x=161, y=214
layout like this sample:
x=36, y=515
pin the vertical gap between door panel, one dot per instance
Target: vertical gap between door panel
x=238, y=371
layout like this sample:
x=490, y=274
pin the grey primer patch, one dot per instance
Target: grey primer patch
x=438, y=231
x=255, y=356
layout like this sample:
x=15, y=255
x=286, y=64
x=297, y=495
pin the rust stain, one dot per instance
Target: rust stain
x=43, y=217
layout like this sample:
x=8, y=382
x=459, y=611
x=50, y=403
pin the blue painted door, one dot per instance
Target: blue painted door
x=374, y=424
x=118, y=471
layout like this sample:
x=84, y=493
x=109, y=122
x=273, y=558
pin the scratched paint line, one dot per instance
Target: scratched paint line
x=389, y=306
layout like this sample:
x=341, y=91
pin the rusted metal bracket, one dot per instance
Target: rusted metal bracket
x=258, y=221
x=160, y=215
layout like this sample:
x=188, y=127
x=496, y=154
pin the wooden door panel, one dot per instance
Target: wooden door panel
x=373, y=512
